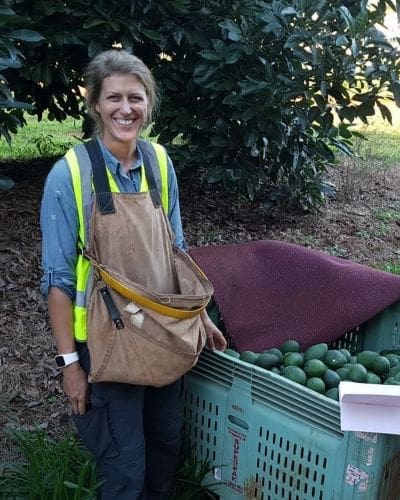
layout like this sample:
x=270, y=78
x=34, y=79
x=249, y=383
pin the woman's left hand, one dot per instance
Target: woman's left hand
x=215, y=338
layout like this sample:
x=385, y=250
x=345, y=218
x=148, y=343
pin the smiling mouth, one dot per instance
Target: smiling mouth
x=120, y=121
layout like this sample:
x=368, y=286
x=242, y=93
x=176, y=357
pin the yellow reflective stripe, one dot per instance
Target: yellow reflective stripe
x=82, y=269
x=80, y=323
x=76, y=182
x=144, y=187
x=163, y=166
x=171, y=312
x=113, y=185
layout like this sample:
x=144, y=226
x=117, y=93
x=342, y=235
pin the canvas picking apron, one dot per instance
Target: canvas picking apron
x=146, y=295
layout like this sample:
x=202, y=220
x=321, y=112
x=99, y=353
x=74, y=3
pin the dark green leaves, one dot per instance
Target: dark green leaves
x=259, y=94
x=25, y=35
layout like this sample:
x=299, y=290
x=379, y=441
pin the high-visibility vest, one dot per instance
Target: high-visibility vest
x=78, y=160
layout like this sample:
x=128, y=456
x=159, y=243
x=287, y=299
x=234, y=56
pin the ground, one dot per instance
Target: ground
x=361, y=223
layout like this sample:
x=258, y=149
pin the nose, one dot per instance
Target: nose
x=125, y=106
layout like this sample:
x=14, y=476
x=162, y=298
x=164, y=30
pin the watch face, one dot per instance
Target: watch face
x=60, y=361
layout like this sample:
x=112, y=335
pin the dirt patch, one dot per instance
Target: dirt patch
x=361, y=223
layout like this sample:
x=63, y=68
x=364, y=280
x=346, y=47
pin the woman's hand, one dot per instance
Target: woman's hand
x=215, y=338
x=76, y=387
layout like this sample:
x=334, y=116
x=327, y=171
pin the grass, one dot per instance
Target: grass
x=44, y=138
x=384, y=142
x=63, y=470
x=382, y=137
x=392, y=267
x=386, y=216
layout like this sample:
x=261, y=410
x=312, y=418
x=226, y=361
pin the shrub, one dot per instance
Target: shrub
x=258, y=95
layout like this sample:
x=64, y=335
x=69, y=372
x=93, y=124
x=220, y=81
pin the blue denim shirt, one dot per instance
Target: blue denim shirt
x=59, y=218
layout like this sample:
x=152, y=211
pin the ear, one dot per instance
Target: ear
x=96, y=107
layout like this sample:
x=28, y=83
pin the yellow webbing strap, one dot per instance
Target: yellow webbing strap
x=171, y=312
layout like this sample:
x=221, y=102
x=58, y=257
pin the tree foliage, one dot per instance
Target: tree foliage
x=259, y=93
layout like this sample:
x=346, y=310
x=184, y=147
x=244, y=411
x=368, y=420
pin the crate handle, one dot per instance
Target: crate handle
x=239, y=422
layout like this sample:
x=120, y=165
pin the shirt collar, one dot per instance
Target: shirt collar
x=113, y=163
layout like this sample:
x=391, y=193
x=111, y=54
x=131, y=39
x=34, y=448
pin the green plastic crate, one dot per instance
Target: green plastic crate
x=269, y=438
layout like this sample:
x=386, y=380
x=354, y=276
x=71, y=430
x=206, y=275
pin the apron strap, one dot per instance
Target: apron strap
x=102, y=185
x=100, y=179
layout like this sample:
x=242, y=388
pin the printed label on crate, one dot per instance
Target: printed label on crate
x=238, y=438
x=234, y=487
x=370, y=456
x=217, y=473
x=239, y=409
x=357, y=477
x=368, y=436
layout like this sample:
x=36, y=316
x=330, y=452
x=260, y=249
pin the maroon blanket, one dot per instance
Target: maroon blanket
x=270, y=291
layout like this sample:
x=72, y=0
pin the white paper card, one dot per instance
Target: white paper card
x=369, y=407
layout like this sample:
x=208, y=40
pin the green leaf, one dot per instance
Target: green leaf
x=215, y=175
x=8, y=62
x=294, y=41
x=250, y=86
x=341, y=40
x=249, y=113
x=343, y=147
x=395, y=88
x=218, y=141
x=203, y=73
x=234, y=175
x=289, y=11
x=355, y=47
x=6, y=182
x=26, y=35
x=344, y=131
x=6, y=11
x=355, y=133
x=347, y=17
x=210, y=55
x=385, y=112
x=93, y=22
x=232, y=54
x=11, y=104
x=65, y=38
x=234, y=31
x=251, y=138
x=153, y=35
x=321, y=102
x=178, y=35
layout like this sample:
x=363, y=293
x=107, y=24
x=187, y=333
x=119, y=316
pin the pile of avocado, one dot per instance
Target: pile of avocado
x=321, y=369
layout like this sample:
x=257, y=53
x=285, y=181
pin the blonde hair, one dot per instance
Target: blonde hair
x=111, y=62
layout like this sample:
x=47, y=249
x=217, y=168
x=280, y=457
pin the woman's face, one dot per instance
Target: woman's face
x=123, y=109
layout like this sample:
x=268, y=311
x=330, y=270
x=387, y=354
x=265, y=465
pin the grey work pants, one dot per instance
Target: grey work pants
x=134, y=433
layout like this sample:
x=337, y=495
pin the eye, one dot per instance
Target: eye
x=135, y=98
x=113, y=98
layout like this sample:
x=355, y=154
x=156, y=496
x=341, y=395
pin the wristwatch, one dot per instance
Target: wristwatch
x=63, y=360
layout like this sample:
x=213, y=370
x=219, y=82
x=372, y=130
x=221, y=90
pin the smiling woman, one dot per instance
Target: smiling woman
x=127, y=414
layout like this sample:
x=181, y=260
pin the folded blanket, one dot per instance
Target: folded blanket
x=270, y=291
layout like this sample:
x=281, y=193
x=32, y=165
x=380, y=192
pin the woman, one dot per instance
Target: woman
x=133, y=431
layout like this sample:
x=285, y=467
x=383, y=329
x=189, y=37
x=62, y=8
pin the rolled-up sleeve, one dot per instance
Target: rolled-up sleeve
x=59, y=226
